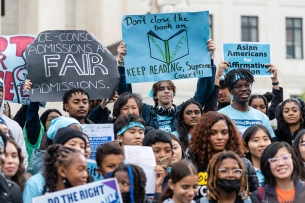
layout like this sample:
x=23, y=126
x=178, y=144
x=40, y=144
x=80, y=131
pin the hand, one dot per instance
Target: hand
x=220, y=69
x=114, y=98
x=211, y=47
x=121, y=51
x=27, y=85
x=160, y=175
x=272, y=69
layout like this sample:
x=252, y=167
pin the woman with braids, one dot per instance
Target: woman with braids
x=214, y=133
x=299, y=150
x=132, y=182
x=188, y=116
x=289, y=116
x=281, y=171
x=239, y=82
x=64, y=167
x=68, y=137
x=182, y=184
x=9, y=191
x=13, y=168
x=227, y=181
x=260, y=102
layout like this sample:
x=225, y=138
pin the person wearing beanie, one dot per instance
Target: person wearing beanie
x=70, y=137
x=66, y=136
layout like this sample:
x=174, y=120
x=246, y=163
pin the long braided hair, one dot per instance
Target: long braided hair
x=213, y=171
x=137, y=181
x=56, y=155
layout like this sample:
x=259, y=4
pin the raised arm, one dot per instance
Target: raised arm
x=211, y=104
x=276, y=90
x=122, y=87
x=205, y=85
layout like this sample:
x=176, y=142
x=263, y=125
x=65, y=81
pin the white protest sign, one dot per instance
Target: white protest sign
x=103, y=191
x=98, y=134
x=144, y=157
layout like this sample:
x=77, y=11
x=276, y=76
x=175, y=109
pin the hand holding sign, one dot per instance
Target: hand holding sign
x=59, y=60
x=166, y=46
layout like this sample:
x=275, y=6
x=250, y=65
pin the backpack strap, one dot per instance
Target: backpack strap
x=261, y=192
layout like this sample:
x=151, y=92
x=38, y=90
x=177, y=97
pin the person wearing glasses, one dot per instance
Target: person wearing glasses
x=239, y=82
x=289, y=116
x=215, y=133
x=281, y=171
x=299, y=150
x=227, y=181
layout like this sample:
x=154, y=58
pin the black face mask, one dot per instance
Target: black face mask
x=126, y=197
x=228, y=185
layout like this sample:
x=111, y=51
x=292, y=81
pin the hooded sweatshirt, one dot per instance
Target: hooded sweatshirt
x=15, y=129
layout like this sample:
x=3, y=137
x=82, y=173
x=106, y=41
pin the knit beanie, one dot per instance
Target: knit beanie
x=67, y=133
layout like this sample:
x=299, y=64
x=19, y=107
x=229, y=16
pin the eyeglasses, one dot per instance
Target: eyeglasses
x=235, y=172
x=284, y=158
x=240, y=87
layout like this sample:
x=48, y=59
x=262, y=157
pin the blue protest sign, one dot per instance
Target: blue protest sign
x=98, y=134
x=248, y=55
x=101, y=191
x=91, y=164
x=166, y=46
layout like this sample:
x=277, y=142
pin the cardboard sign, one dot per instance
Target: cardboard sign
x=103, y=191
x=59, y=60
x=166, y=46
x=144, y=157
x=92, y=170
x=98, y=134
x=248, y=55
x=13, y=66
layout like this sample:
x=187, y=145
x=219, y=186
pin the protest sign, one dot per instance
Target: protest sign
x=248, y=55
x=92, y=170
x=166, y=46
x=103, y=191
x=144, y=157
x=59, y=60
x=98, y=134
x=13, y=66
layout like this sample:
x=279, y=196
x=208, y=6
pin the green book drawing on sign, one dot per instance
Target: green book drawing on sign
x=168, y=50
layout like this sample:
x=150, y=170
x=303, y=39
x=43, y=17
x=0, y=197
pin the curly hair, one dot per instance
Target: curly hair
x=182, y=128
x=236, y=74
x=18, y=178
x=156, y=87
x=68, y=94
x=105, y=149
x=200, y=142
x=179, y=171
x=213, y=171
x=56, y=155
x=295, y=146
x=137, y=177
x=282, y=126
